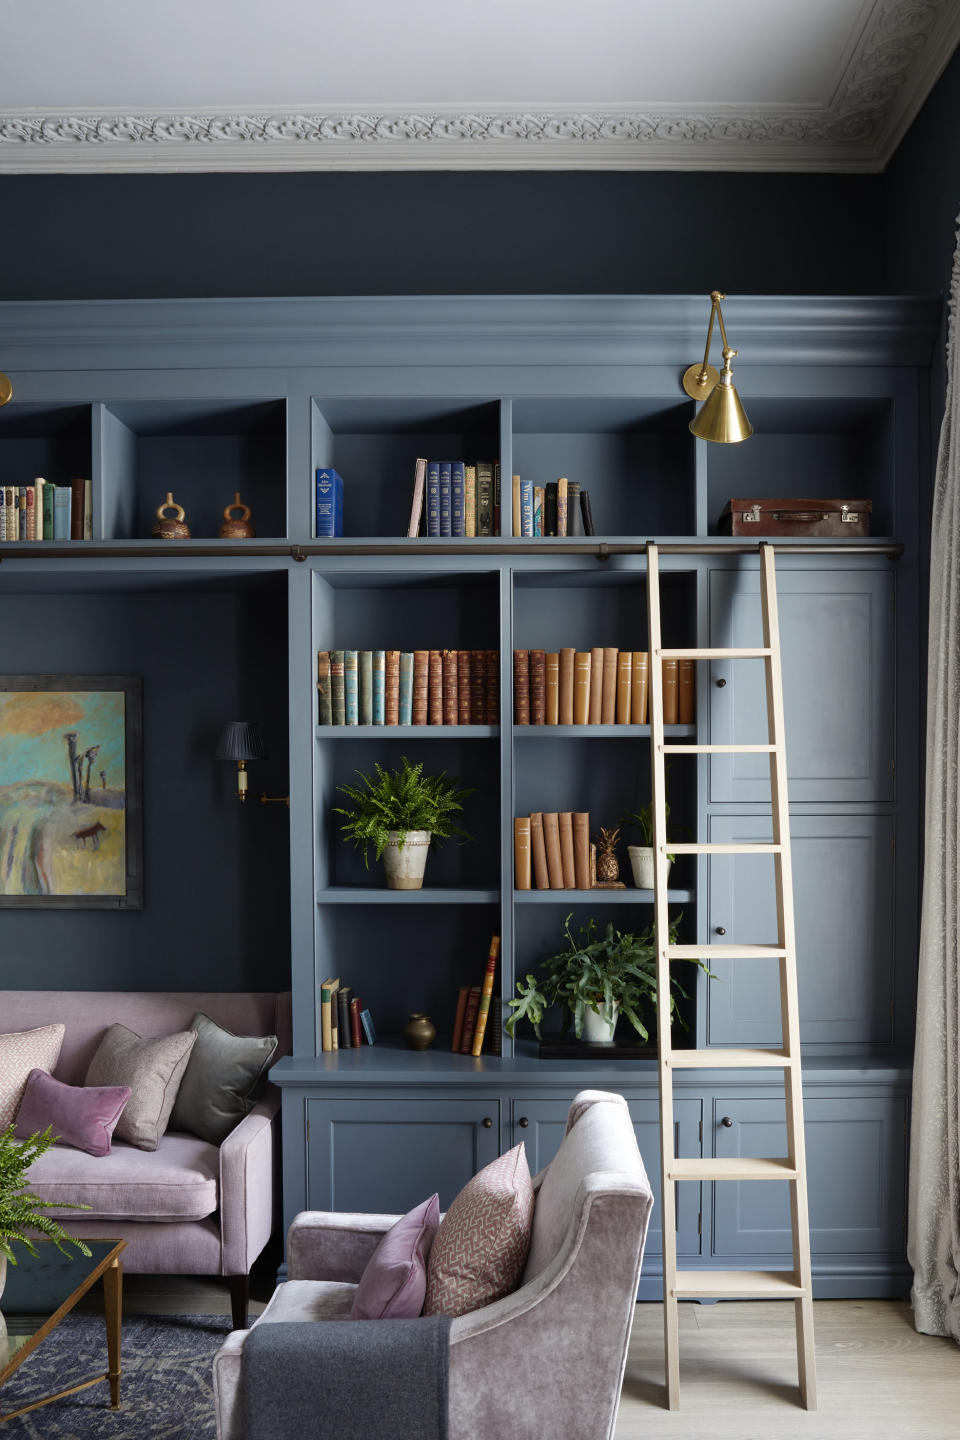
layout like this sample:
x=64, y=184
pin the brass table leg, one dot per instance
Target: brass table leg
x=113, y=1308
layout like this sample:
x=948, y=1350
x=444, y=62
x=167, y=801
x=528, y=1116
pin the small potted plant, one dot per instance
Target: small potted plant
x=597, y=977
x=22, y=1211
x=400, y=813
x=641, y=856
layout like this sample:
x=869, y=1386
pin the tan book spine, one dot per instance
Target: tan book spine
x=521, y=852
x=551, y=841
x=593, y=866
x=538, y=688
x=458, y=1018
x=596, y=684
x=491, y=661
x=638, y=693
x=581, y=849
x=566, y=686
x=538, y=853
x=517, y=517
x=421, y=685
x=567, y=861
x=470, y=500
x=435, y=688
x=686, y=691
x=561, y=510
x=450, y=708
x=391, y=688
x=521, y=687
x=669, y=692
x=624, y=686
x=478, y=688
x=464, y=668
x=552, y=674
x=581, y=687
x=608, y=711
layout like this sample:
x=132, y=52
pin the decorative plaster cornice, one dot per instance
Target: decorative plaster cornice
x=898, y=56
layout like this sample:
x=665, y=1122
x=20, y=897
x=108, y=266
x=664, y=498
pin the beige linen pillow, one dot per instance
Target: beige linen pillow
x=152, y=1069
x=20, y=1052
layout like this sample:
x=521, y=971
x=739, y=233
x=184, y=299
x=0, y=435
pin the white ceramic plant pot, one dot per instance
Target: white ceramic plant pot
x=3, y=1273
x=404, y=864
x=641, y=863
x=595, y=1028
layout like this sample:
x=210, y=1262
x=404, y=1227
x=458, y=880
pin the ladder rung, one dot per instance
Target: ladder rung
x=674, y=847
x=742, y=952
x=751, y=653
x=738, y=1168
x=719, y=749
x=737, y=1284
x=728, y=1059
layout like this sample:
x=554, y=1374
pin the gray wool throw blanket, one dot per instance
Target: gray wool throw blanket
x=348, y=1379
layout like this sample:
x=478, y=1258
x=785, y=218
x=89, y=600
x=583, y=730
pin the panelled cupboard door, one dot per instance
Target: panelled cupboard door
x=837, y=637
x=843, y=888
x=856, y=1174
x=388, y=1155
x=543, y=1134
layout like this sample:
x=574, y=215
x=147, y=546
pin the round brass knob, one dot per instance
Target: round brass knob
x=721, y=930
x=726, y=1122
x=720, y=683
x=523, y=1122
x=487, y=1122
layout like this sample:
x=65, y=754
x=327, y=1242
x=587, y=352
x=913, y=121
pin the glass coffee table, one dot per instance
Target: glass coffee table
x=40, y=1291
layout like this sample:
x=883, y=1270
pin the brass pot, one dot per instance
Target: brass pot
x=239, y=529
x=419, y=1032
x=167, y=528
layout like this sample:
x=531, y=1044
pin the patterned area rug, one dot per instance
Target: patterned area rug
x=166, y=1392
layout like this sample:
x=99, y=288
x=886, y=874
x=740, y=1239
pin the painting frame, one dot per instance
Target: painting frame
x=131, y=687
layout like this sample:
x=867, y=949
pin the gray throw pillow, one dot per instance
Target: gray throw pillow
x=153, y=1069
x=225, y=1075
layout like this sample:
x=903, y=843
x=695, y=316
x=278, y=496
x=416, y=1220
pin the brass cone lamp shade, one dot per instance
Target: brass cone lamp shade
x=721, y=417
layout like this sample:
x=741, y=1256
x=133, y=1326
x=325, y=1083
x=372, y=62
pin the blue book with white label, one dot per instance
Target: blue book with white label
x=526, y=509
x=433, y=499
x=379, y=675
x=457, y=498
x=61, y=512
x=446, y=467
x=329, y=504
x=350, y=686
x=405, y=709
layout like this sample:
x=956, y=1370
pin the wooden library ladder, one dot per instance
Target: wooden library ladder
x=731, y=1284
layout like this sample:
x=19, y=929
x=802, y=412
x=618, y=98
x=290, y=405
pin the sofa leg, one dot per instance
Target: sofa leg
x=239, y=1298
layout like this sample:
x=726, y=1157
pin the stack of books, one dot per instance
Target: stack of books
x=553, y=851
x=602, y=686
x=479, y=1017
x=456, y=499
x=42, y=511
x=409, y=687
x=345, y=1022
x=561, y=508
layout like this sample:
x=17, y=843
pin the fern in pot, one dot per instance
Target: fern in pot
x=20, y=1210
x=400, y=813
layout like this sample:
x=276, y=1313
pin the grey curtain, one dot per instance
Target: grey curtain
x=933, y=1243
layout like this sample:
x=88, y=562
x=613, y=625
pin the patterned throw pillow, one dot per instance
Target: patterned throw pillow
x=20, y=1052
x=481, y=1247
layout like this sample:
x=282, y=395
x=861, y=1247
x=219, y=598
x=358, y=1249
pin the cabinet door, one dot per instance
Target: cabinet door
x=388, y=1155
x=546, y=1121
x=836, y=635
x=856, y=1176
x=843, y=888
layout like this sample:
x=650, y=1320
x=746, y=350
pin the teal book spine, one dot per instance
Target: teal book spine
x=61, y=512
x=336, y=687
x=350, y=695
x=379, y=665
x=365, y=672
x=406, y=688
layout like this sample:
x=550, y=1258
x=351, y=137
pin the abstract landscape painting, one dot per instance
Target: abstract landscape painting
x=70, y=774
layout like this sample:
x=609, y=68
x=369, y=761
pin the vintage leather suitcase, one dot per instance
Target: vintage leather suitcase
x=840, y=518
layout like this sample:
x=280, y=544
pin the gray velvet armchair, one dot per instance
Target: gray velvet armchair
x=547, y=1359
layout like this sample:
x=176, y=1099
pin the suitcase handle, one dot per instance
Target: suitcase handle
x=801, y=516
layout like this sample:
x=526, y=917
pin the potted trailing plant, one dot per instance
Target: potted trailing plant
x=400, y=813
x=641, y=856
x=20, y=1210
x=597, y=977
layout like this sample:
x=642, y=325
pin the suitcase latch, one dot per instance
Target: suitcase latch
x=752, y=516
x=848, y=516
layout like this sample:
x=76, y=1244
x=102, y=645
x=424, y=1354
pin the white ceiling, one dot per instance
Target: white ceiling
x=465, y=84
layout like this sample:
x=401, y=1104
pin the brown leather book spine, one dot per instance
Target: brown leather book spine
x=391, y=688
x=521, y=687
x=567, y=862
x=470, y=1019
x=581, y=849
x=478, y=687
x=552, y=672
x=435, y=688
x=521, y=852
x=76, y=509
x=638, y=691
x=624, y=686
x=669, y=692
x=608, y=710
x=421, y=683
x=458, y=1019
x=538, y=687
x=566, y=686
x=491, y=663
x=596, y=684
x=464, y=668
x=450, y=709
x=551, y=841
x=538, y=853
x=686, y=691
x=561, y=511
x=581, y=687
x=355, y=1022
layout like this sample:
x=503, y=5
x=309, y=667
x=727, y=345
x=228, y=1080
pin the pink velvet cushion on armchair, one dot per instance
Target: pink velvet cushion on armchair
x=81, y=1116
x=394, y=1283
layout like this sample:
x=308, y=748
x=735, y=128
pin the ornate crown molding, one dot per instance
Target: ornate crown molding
x=899, y=55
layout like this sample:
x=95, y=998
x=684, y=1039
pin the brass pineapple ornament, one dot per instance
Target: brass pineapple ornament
x=608, y=866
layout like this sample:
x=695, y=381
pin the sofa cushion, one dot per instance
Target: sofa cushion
x=178, y=1181
x=394, y=1283
x=152, y=1069
x=20, y=1052
x=84, y=1116
x=224, y=1076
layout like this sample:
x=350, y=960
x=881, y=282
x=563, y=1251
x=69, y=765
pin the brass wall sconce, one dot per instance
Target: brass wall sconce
x=6, y=389
x=240, y=740
x=721, y=417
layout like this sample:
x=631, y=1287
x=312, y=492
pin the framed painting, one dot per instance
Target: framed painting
x=71, y=779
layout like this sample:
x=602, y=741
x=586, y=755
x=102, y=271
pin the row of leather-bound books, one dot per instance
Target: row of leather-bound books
x=408, y=687
x=551, y=851
x=602, y=686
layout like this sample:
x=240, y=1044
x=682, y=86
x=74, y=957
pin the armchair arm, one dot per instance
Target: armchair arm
x=246, y=1188
x=333, y=1245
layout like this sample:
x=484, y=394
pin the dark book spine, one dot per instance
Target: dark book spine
x=336, y=687
x=76, y=509
x=470, y=1020
x=484, y=497
x=355, y=1040
x=496, y=498
x=538, y=687
x=435, y=691
x=450, y=703
x=550, y=508
x=457, y=499
x=446, y=508
x=478, y=687
x=492, y=687
x=521, y=687
x=323, y=688
x=433, y=498
x=464, y=664
x=421, y=679
x=343, y=1016
x=574, y=517
x=585, y=512
x=495, y=1026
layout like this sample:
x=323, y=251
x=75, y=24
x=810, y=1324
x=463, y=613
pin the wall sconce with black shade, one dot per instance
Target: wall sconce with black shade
x=240, y=740
x=6, y=389
x=721, y=417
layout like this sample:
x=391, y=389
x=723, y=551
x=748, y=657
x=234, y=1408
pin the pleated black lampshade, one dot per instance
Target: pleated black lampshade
x=241, y=740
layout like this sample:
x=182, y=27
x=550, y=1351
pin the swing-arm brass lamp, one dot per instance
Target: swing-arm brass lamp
x=6, y=389
x=721, y=417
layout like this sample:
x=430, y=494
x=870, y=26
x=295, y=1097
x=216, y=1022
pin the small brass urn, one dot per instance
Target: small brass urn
x=240, y=528
x=171, y=527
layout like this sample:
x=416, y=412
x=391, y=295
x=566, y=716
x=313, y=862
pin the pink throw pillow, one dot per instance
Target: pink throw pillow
x=20, y=1052
x=482, y=1245
x=393, y=1285
x=83, y=1116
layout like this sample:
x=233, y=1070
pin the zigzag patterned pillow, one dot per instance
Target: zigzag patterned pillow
x=20, y=1052
x=481, y=1247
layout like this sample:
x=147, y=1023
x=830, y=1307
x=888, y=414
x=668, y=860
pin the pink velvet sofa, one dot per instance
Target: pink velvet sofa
x=188, y=1207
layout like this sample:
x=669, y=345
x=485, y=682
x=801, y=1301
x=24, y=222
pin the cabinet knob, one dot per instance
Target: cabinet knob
x=720, y=930
x=720, y=683
x=726, y=1122
x=487, y=1122
x=523, y=1122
